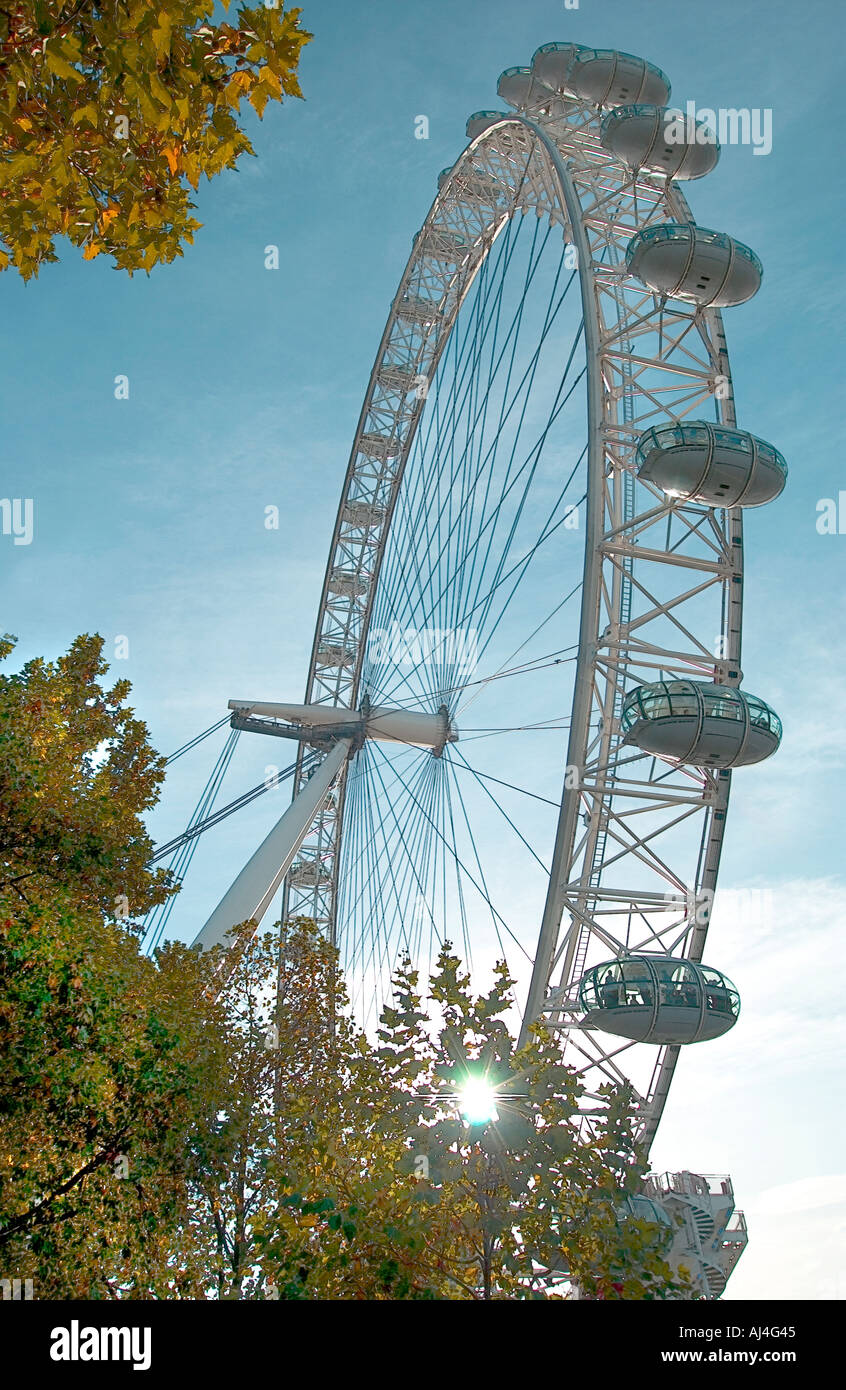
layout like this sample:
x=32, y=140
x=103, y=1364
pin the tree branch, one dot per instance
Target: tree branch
x=36, y=1214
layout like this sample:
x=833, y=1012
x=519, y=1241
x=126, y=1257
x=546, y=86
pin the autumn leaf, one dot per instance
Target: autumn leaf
x=159, y=90
x=161, y=34
x=88, y=113
x=191, y=168
x=271, y=81
x=259, y=97
x=171, y=153
x=58, y=65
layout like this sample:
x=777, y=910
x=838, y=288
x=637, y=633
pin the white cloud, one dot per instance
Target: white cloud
x=804, y=1195
x=758, y=1103
x=796, y=1255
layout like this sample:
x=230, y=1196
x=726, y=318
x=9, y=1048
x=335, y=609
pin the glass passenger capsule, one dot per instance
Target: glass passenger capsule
x=643, y=1209
x=513, y=86
x=310, y=873
x=683, y=261
x=474, y=183
x=413, y=309
x=397, y=378
x=658, y=999
x=552, y=62
x=442, y=245
x=483, y=120
x=348, y=582
x=335, y=655
x=701, y=724
x=611, y=78
x=705, y=462
x=378, y=446
x=661, y=140
x=363, y=515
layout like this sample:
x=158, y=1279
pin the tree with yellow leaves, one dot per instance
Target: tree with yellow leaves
x=348, y=1169
x=108, y=1057
x=110, y=109
x=214, y=1126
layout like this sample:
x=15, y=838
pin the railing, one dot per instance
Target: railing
x=690, y=1184
x=736, y=1232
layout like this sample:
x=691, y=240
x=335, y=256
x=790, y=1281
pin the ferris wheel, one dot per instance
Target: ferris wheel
x=525, y=701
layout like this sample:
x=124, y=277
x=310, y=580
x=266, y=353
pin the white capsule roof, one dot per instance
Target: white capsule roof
x=659, y=139
x=552, y=62
x=513, y=86
x=714, y=464
x=700, y=724
x=483, y=120
x=658, y=999
x=610, y=78
x=683, y=261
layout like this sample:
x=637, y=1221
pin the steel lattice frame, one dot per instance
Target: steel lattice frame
x=662, y=589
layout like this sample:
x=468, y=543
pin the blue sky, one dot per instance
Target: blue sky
x=245, y=388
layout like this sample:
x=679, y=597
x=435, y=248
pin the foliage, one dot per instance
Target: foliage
x=213, y=1125
x=534, y=1195
x=285, y=1067
x=110, y=109
x=76, y=772
x=107, y=1056
x=344, y=1170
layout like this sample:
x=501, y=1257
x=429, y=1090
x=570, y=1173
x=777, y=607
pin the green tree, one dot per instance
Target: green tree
x=298, y=1192
x=286, y=1050
x=76, y=774
x=530, y=1199
x=213, y=1125
x=344, y=1169
x=109, y=1057
x=111, y=109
